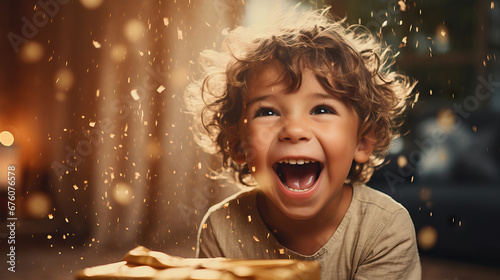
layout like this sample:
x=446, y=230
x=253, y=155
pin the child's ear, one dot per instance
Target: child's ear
x=364, y=148
x=235, y=149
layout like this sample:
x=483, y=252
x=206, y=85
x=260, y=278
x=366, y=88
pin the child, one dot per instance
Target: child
x=304, y=109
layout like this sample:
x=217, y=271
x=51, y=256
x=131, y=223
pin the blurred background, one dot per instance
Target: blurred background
x=91, y=117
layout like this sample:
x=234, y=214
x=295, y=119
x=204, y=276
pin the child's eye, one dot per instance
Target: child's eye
x=265, y=112
x=323, y=109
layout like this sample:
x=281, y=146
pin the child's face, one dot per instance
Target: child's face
x=310, y=129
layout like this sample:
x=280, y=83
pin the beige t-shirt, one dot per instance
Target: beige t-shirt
x=375, y=240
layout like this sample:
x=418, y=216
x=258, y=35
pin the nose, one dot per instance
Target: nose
x=294, y=131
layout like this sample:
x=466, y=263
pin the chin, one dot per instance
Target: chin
x=299, y=214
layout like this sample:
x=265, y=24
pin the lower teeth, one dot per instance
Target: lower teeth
x=296, y=190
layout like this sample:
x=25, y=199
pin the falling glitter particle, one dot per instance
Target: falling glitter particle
x=402, y=6
x=75, y=187
x=179, y=34
x=160, y=89
x=134, y=94
x=165, y=21
x=97, y=45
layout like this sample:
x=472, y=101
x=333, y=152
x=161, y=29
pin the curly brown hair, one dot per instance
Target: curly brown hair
x=347, y=61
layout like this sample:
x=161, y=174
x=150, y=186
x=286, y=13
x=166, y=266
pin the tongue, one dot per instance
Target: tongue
x=299, y=177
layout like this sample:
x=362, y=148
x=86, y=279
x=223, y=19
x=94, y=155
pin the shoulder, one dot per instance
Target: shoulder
x=234, y=229
x=220, y=221
x=387, y=232
x=375, y=200
x=231, y=213
x=234, y=204
x=380, y=219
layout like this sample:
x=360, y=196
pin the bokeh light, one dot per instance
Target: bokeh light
x=397, y=146
x=31, y=52
x=446, y=119
x=6, y=138
x=64, y=79
x=402, y=161
x=60, y=96
x=91, y=4
x=118, y=53
x=427, y=237
x=442, y=39
x=123, y=193
x=425, y=194
x=38, y=204
x=134, y=30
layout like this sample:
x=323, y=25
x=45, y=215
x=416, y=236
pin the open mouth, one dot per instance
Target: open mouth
x=298, y=174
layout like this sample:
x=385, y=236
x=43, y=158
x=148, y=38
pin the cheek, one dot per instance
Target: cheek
x=256, y=144
x=258, y=137
x=340, y=153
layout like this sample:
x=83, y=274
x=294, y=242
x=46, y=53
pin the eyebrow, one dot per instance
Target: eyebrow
x=326, y=96
x=259, y=98
x=268, y=96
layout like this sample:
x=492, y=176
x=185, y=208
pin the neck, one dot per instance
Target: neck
x=305, y=236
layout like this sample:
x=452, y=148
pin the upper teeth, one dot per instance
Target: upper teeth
x=296, y=161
